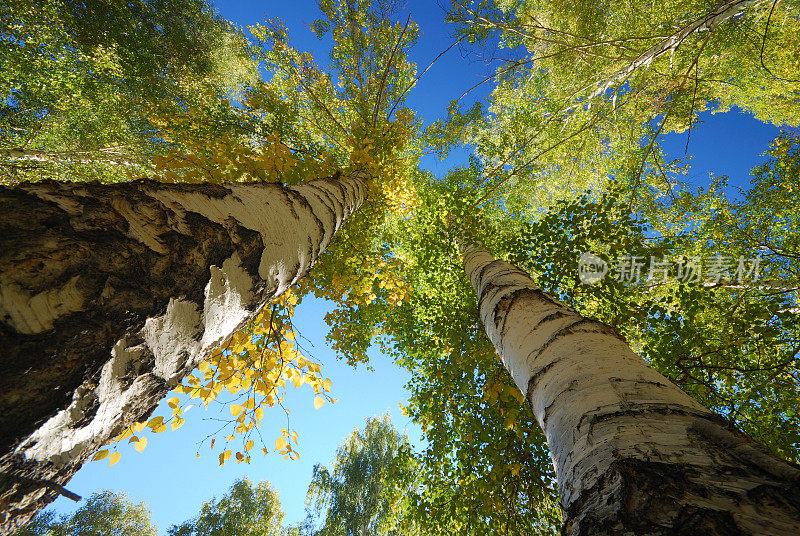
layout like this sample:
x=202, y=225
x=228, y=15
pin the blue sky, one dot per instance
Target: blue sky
x=169, y=477
x=723, y=144
x=175, y=483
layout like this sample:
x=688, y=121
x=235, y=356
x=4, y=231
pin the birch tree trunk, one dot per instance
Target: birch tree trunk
x=111, y=294
x=633, y=454
x=717, y=15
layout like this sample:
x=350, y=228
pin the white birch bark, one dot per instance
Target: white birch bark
x=711, y=20
x=111, y=294
x=633, y=454
x=109, y=155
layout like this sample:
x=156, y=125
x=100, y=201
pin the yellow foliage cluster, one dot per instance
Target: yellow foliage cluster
x=255, y=366
x=362, y=157
x=401, y=196
x=227, y=159
x=397, y=288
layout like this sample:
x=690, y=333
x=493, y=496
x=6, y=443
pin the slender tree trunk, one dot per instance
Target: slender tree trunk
x=719, y=14
x=110, y=155
x=633, y=454
x=111, y=294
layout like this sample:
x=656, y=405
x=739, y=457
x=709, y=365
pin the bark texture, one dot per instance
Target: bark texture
x=633, y=454
x=111, y=294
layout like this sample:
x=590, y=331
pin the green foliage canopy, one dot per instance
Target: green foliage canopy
x=105, y=513
x=245, y=510
x=87, y=88
x=367, y=490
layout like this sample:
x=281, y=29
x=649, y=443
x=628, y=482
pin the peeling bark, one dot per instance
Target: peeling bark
x=111, y=294
x=633, y=454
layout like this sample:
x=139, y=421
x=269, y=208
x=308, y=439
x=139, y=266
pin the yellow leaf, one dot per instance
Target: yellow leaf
x=125, y=433
x=318, y=402
x=162, y=428
x=177, y=423
x=173, y=401
x=239, y=457
x=138, y=427
x=248, y=445
x=280, y=443
x=236, y=409
x=115, y=456
x=250, y=404
x=326, y=384
x=230, y=437
x=298, y=381
x=265, y=450
x=155, y=422
x=100, y=455
x=259, y=413
x=141, y=444
x=294, y=436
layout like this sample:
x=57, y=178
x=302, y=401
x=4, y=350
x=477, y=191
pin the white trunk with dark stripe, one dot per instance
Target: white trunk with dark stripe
x=111, y=294
x=633, y=454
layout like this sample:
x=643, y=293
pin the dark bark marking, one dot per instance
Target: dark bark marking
x=570, y=387
x=502, y=309
x=336, y=206
x=564, y=331
x=303, y=202
x=534, y=380
x=286, y=193
x=89, y=411
x=632, y=410
x=634, y=497
x=716, y=431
